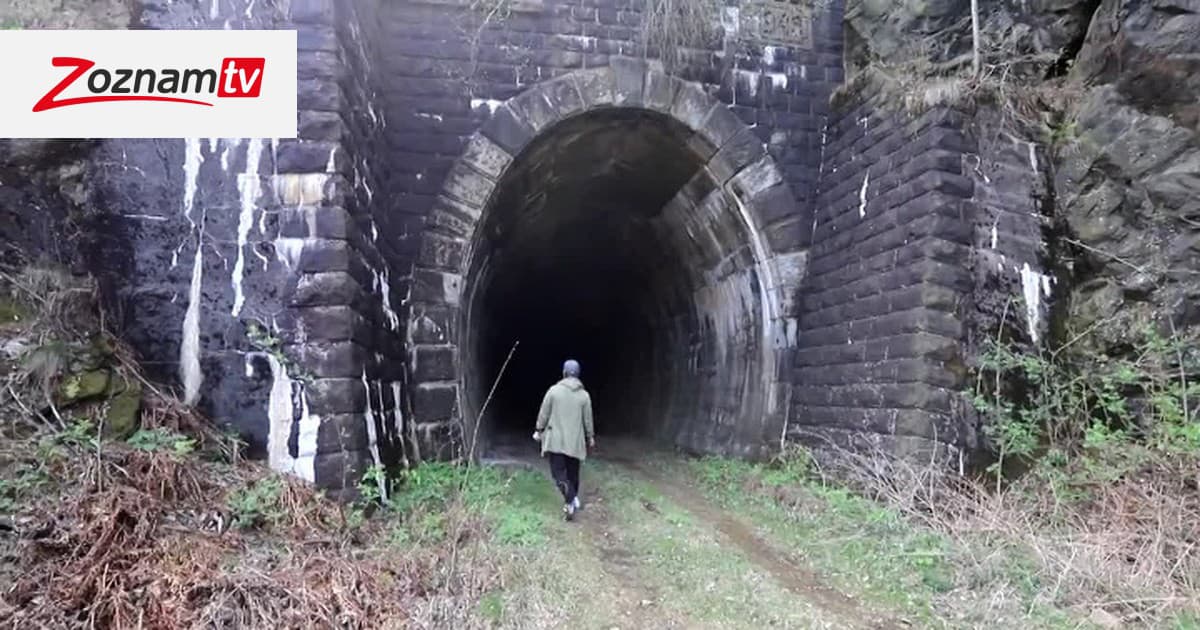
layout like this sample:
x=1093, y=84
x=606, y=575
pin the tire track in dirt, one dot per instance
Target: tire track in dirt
x=799, y=580
x=638, y=598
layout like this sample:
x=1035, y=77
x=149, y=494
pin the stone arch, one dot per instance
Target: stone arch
x=737, y=182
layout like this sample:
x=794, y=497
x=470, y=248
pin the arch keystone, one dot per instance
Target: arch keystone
x=597, y=87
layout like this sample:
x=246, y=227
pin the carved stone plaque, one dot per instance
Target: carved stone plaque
x=778, y=22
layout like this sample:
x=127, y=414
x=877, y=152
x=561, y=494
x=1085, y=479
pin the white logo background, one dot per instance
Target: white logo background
x=26, y=75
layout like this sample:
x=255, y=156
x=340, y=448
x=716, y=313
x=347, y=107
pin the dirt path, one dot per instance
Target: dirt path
x=801, y=581
x=667, y=557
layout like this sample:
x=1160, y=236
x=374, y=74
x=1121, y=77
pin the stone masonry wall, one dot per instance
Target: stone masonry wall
x=449, y=72
x=880, y=358
x=248, y=269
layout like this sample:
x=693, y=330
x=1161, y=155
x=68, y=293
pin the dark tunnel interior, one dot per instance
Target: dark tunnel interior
x=577, y=261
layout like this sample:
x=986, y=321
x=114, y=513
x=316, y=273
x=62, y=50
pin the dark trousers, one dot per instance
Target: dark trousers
x=565, y=470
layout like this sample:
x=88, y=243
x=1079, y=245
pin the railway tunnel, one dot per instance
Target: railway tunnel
x=621, y=237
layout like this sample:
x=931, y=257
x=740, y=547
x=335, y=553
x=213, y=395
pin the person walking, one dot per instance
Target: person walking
x=564, y=427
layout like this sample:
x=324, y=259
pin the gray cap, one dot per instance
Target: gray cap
x=571, y=367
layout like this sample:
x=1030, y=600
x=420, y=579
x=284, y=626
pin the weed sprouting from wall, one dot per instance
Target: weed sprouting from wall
x=672, y=28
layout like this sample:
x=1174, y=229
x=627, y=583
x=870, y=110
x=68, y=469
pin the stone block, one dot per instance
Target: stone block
x=316, y=37
x=563, y=96
x=340, y=359
x=435, y=402
x=534, y=108
x=450, y=217
x=315, y=64
x=597, y=87
x=342, y=432
x=340, y=472
x=434, y=363
x=790, y=236
x=311, y=11
x=441, y=252
x=742, y=150
x=326, y=289
x=321, y=323
x=468, y=186
x=307, y=156
x=302, y=189
x=507, y=130
x=328, y=396
x=692, y=105
x=439, y=441
x=320, y=95
x=436, y=287
x=327, y=126
x=775, y=204
x=432, y=324
x=660, y=91
x=312, y=255
x=720, y=125
x=331, y=222
x=486, y=156
x=629, y=77
x=755, y=180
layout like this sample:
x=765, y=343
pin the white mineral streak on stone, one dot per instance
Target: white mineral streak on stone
x=372, y=438
x=225, y=154
x=1033, y=161
x=750, y=77
x=249, y=188
x=189, y=348
x=281, y=413
x=779, y=80
x=215, y=11
x=299, y=189
x=768, y=306
x=490, y=103
x=250, y=9
x=995, y=234
x=862, y=195
x=331, y=165
x=731, y=21
x=289, y=250
x=428, y=116
x=192, y=158
x=768, y=55
x=398, y=419
x=279, y=417
x=1033, y=284
x=382, y=285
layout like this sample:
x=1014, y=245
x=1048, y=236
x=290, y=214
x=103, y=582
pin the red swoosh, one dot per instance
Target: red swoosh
x=101, y=99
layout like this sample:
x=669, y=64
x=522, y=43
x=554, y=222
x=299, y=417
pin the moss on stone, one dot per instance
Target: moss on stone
x=83, y=385
x=124, y=408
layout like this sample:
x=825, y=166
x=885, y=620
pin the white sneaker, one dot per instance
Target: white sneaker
x=576, y=503
x=569, y=511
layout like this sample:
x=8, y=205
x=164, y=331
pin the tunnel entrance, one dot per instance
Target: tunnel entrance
x=607, y=240
x=631, y=222
x=573, y=264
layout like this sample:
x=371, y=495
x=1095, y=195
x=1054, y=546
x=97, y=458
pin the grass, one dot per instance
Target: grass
x=700, y=577
x=868, y=549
